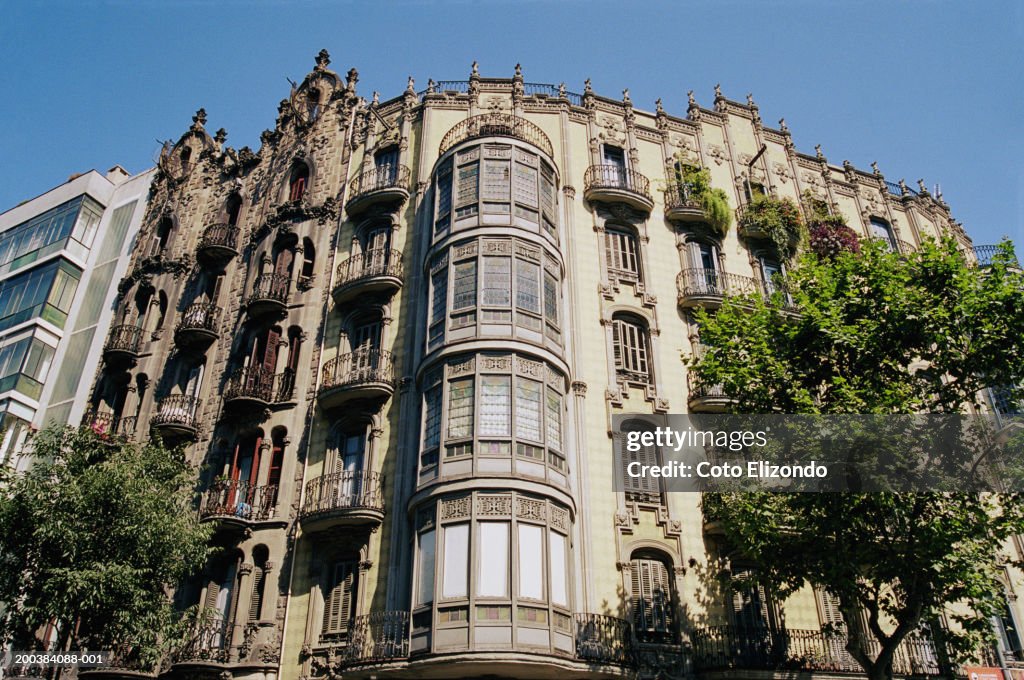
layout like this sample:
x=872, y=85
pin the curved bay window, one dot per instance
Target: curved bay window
x=494, y=414
x=494, y=561
x=496, y=184
x=495, y=286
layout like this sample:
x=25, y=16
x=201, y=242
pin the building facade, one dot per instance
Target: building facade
x=61, y=255
x=395, y=337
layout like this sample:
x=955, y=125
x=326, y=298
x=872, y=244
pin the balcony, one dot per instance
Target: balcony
x=374, y=271
x=109, y=425
x=257, y=387
x=197, y=326
x=616, y=184
x=217, y=245
x=123, y=346
x=234, y=501
x=985, y=255
x=124, y=663
x=269, y=295
x=381, y=637
x=348, y=498
x=720, y=648
x=496, y=124
x=209, y=643
x=385, y=184
x=708, y=287
x=604, y=640
x=176, y=417
x=681, y=205
x=706, y=398
x=363, y=374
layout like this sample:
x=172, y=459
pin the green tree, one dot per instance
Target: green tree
x=92, y=537
x=876, y=333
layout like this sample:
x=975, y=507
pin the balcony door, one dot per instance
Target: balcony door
x=219, y=601
x=263, y=359
x=386, y=163
x=614, y=161
x=378, y=245
x=348, y=465
x=365, y=342
x=705, y=260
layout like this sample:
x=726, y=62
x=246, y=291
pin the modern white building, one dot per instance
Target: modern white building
x=62, y=255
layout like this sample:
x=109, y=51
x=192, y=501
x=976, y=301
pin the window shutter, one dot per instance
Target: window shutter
x=617, y=343
x=652, y=597
x=212, y=592
x=256, y=601
x=338, y=606
x=270, y=353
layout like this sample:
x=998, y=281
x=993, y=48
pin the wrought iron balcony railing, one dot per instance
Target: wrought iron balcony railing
x=347, y=490
x=370, y=264
x=497, y=125
x=722, y=647
x=379, y=179
x=180, y=410
x=604, y=639
x=258, y=384
x=700, y=390
x=680, y=195
x=126, y=338
x=106, y=424
x=713, y=283
x=359, y=367
x=377, y=638
x=985, y=254
x=616, y=177
x=239, y=499
x=221, y=236
x=199, y=316
x=273, y=287
x=209, y=642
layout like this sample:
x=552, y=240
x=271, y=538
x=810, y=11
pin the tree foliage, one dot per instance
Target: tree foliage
x=92, y=537
x=876, y=333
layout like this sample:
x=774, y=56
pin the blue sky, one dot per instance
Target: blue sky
x=928, y=89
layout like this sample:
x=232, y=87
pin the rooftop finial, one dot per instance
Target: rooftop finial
x=817, y=151
x=199, y=120
x=625, y=97
x=519, y=71
x=561, y=89
x=750, y=100
x=376, y=97
x=874, y=166
x=411, y=85
x=921, y=186
x=718, y=91
x=430, y=86
x=220, y=136
x=586, y=87
x=476, y=69
x=782, y=125
x=658, y=108
x=691, y=98
x=352, y=79
x=323, y=58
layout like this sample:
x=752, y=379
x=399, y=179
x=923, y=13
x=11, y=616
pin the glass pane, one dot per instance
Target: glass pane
x=528, y=410
x=528, y=286
x=425, y=593
x=526, y=185
x=497, y=281
x=531, y=562
x=456, y=561
x=440, y=298
x=465, y=285
x=432, y=419
x=554, y=419
x=496, y=406
x=469, y=181
x=559, y=594
x=460, y=408
x=492, y=560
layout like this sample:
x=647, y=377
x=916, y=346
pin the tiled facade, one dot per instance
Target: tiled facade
x=395, y=338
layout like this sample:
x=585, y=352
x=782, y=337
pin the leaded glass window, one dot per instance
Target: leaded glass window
x=460, y=408
x=528, y=410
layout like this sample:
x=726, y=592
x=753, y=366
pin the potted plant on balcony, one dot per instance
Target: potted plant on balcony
x=828, y=233
x=773, y=219
x=695, y=183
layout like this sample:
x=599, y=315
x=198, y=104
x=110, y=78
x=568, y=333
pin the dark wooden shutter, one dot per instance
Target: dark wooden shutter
x=652, y=599
x=338, y=604
x=256, y=602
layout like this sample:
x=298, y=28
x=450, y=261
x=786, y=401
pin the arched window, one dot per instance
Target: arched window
x=308, y=259
x=162, y=236
x=220, y=599
x=880, y=229
x=622, y=254
x=186, y=158
x=312, y=104
x=753, y=607
x=260, y=555
x=233, y=208
x=652, y=597
x=631, y=349
x=278, y=437
x=298, y=182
